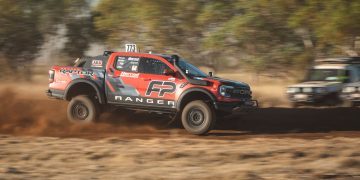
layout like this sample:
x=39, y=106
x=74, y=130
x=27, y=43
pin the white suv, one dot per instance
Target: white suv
x=324, y=82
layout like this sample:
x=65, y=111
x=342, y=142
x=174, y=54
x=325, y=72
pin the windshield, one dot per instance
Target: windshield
x=190, y=69
x=327, y=75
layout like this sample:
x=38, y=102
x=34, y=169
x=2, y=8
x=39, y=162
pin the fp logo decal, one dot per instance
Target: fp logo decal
x=161, y=87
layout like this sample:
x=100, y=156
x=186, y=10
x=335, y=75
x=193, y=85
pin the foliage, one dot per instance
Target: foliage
x=265, y=35
x=27, y=24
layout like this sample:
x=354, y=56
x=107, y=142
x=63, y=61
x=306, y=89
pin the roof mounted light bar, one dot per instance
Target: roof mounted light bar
x=343, y=60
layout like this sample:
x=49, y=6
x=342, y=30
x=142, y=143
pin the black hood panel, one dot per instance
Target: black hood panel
x=231, y=83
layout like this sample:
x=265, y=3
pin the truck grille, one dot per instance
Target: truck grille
x=241, y=93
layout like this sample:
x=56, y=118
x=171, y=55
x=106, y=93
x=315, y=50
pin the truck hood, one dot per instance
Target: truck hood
x=228, y=82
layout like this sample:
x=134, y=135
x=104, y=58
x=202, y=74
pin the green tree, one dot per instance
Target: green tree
x=26, y=24
x=331, y=25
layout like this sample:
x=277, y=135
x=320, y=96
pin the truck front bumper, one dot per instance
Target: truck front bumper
x=233, y=107
x=306, y=97
x=355, y=97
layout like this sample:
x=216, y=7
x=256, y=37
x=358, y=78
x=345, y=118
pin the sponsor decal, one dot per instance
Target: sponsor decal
x=160, y=87
x=130, y=75
x=142, y=100
x=136, y=59
x=96, y=63
x=127, y=63
x=184, y=84
x=77, y=71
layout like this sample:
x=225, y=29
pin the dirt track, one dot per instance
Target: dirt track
x=275, y=143
x=178, y=158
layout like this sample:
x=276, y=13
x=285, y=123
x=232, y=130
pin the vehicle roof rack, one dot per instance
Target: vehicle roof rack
x=342, y=60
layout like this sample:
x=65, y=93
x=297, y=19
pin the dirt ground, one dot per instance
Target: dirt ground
x=274, y=142
x=178, y=158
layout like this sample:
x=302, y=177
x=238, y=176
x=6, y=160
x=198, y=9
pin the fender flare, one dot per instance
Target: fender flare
x=91, y=83
x=191, y=90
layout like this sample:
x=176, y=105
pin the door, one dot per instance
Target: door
x=140, y=82
x=157, y=88
x=122, y=79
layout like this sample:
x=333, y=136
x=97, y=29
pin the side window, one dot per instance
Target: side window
x=128, y=64
x=152, y=66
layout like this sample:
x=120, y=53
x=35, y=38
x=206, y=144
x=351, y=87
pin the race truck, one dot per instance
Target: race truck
x=351, y=94
x=160, y=83
x=324, y=82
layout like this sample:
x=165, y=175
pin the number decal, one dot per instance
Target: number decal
x=130, y=47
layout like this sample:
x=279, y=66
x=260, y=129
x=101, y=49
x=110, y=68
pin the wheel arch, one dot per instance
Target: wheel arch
x=195, y=94
x=82, y=86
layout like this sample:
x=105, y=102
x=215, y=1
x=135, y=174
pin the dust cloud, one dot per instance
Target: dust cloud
x=20, y=116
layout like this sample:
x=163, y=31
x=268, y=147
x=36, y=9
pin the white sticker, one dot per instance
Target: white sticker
x=134, y=68
x=96, y=63
x=131, y=48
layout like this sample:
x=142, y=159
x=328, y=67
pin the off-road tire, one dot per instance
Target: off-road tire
x=82, y=110
x=294, y=104
x=347, y=104
x=198, y=117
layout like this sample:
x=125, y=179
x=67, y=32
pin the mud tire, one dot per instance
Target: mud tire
x=82, y=110
x=347, y=104
x=198, y=117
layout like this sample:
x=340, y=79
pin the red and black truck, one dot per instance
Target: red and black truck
x=158, y=83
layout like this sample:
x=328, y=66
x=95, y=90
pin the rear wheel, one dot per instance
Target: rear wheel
x=82, y=109
x=198, y=117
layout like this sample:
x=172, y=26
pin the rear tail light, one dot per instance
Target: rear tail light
x=51, y=76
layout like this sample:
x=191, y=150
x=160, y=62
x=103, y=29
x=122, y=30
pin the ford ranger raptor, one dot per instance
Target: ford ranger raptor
x=159, y=83
x=324, y=82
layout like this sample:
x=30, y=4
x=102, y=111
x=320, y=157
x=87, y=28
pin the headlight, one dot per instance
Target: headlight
x=349, y=89
x=308, y=90
x=225, y=90
x=291, y=90
x=320, y=90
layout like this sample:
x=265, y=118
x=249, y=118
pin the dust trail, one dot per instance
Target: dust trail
x=48, y=117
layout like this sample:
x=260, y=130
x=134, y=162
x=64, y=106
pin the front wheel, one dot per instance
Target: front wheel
x=83, y=110
x=198, y=117
x=347, y=104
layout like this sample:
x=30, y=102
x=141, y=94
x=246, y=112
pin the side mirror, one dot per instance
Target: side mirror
x=169, y=72
x=211, y=74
